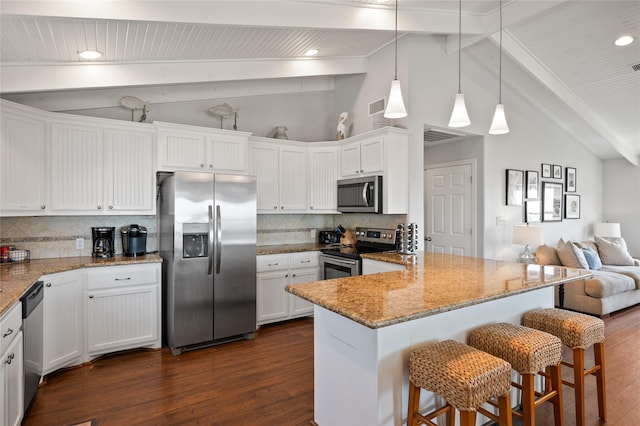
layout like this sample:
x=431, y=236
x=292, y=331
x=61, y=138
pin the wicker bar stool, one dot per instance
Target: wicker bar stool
x=528, y=351
x=465, y=377
x=579, y=332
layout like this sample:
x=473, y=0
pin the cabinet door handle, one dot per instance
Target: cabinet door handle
x=306, y=261
x=275, y=207
x=286, y=276
x=43, y=207
x=10, y=358
x=201, y=165
x=99, y=207
x=110, y=207
x=273, y=264
x=293, y=275
x=48, y=284
x=123, y=279
x=91, y=296
x=211, y=166
x=281, y=207
x=8, y=333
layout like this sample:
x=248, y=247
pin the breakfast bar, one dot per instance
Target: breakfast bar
x=365, y=326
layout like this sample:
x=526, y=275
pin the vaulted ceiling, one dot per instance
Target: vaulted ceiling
x=560, y=53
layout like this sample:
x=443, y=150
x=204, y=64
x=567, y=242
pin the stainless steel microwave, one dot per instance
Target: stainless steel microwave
x=360, y=195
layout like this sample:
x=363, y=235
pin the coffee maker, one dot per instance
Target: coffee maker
x=103, y=238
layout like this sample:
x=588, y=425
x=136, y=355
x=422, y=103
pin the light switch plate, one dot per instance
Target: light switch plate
x=79, y=243
x=501, y=221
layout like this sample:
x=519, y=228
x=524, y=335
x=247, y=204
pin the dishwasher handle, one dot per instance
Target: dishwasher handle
x=32, y=298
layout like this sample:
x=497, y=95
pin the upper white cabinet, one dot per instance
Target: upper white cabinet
x=323, y=173
x=362, y=157
x=382, y=152
x=101, y=168
x=281, y=172
x=182, y=147
x=23, y=169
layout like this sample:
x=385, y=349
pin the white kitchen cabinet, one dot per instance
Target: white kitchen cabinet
x=123, y=308
x=11, y=367
x=130, y=183
x=323, y=172
x=63, y=312
x=281, y=172
x=370, y=266
x=362, y=157
x=182, y=147
x=23, y=169
x=274, y=273
x=102, y=167
x=382, y=152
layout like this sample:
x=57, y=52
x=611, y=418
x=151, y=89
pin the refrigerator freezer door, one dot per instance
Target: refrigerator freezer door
x=235, y=256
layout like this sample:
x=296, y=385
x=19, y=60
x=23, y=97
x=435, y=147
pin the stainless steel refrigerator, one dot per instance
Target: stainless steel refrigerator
x=207, y=238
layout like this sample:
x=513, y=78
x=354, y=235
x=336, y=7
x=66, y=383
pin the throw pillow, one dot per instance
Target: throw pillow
x=589, y=244
x=547, y=255
x=570, y=255
x=613, y=252
x=592, y=259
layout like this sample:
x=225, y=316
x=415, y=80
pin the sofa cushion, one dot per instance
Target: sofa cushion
x=605, y=284
x=592, y=259
x=632, y=272
x=571, y=255
x=613, y=252
x=547, y=255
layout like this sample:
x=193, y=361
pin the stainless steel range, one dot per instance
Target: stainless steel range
x=339, y=261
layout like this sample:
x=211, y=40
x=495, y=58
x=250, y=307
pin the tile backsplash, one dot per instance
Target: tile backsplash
x=54, y=236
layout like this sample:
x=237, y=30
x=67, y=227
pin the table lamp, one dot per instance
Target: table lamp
x=526, y=235
x=607, y=230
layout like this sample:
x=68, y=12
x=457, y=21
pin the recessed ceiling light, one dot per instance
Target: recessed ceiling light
x=90, y=54
x=311, y=52
x=624, y=40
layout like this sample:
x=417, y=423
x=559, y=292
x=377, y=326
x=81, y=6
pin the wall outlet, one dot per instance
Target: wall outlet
x=79, y=243
x=501, y=221
x=313, y=233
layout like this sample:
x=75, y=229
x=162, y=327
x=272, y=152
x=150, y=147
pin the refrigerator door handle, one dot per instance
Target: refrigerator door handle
x=210, y=242
x=218, y=239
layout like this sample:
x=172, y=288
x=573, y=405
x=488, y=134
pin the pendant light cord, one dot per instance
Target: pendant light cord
x=459, y=45
x=500, y=67
x=396, y=44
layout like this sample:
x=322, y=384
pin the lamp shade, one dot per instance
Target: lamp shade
x=609, y=230
x=459, y=116
x=499, y=124
x=395, y=107
x=527, y=235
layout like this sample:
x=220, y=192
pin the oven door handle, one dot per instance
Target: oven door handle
x=333, y=259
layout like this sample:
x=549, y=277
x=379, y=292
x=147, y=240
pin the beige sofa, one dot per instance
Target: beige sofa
x=615, y=284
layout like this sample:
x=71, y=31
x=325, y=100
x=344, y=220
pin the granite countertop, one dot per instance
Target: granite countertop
x=289, y=248
x=16, y=278
x=432, y=283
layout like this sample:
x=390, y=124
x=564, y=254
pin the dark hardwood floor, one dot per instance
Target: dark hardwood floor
x=269, y=381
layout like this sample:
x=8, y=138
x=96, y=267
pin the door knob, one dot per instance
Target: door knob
x=428, y=238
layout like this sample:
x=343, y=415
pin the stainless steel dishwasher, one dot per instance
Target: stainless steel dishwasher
x=32, y=323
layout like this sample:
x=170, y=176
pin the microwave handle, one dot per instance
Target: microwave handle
x=365, y=190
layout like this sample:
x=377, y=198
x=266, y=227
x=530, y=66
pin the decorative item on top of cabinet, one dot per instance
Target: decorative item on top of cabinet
x=225, y=111
x=279, y=132
x=342, y=126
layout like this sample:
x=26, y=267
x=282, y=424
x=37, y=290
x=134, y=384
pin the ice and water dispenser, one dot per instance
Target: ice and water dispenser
x=195, y=240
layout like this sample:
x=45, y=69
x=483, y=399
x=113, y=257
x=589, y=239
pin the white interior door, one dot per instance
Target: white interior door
x=449, y=211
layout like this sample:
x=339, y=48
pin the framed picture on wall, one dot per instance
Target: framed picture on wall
x=546, y=170
x=571, y=206
x=551, y=202
x=570, y=179
x=557, y=171
x=515, y=187
x=532, y=211
x=532, y=181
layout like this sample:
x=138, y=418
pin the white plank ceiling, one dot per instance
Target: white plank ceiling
x=560, y=53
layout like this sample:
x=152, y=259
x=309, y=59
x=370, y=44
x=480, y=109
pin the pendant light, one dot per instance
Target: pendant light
x=459, y=116
x=499, y=124
x=395, y=107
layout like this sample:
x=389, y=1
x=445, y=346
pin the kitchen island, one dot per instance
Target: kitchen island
x=365, y=326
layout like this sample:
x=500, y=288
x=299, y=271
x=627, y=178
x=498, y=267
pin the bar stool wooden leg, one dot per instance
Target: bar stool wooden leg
x=467, y=418
x=504, y=410
x=578, y=380
x=528, y=400
x=598, y=350
x=555, y=374
x=414, y=403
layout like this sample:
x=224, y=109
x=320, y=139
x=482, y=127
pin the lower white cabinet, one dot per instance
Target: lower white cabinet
x=123, y=308
x=11, y=367
x=274, y=273
x=63, y=313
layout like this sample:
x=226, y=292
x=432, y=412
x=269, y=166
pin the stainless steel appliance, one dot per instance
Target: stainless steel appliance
x=103, y=238
x=207, y=238
x=360, y=195
x=32, y=324
x=134, y=240
x=339, y=261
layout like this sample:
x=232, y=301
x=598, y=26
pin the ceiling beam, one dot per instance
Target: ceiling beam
x=21, y=78
x=529, y=62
